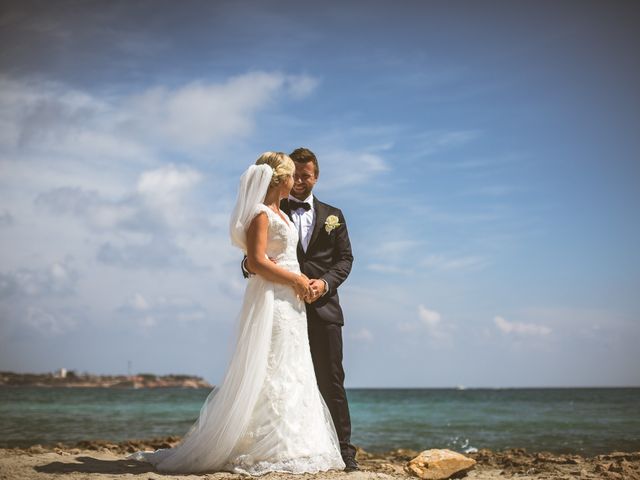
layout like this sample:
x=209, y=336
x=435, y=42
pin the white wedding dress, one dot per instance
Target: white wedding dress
x=267, y=414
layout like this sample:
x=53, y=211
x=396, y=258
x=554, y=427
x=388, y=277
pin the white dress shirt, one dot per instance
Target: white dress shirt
x=303, y=220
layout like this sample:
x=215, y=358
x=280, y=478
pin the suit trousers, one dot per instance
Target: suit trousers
x=325, y=340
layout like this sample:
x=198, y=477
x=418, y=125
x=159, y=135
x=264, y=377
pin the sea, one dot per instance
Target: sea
x=587, y=421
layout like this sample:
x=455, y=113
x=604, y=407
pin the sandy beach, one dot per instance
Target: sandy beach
x=106, y=460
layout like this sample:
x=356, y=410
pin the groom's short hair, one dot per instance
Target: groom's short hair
x=304, y=155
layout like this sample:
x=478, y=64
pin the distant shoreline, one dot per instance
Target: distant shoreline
x=70, y=379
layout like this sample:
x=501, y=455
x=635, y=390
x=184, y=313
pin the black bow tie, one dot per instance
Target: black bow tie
x=293, y=205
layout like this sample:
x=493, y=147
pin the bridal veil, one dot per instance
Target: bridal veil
x=226, y=412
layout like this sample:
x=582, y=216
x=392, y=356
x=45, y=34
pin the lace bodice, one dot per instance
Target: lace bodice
x=282, y=240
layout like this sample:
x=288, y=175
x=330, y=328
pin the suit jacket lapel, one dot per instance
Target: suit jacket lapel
x=318, y=221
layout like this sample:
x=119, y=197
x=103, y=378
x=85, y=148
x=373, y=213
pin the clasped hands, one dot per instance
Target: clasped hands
x=308, y=290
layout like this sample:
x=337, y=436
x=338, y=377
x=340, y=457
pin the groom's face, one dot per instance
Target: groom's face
x=303, y=180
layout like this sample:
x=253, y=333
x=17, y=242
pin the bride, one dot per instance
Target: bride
x=267, y=414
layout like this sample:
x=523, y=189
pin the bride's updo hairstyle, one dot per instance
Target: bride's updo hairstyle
x=281, y=164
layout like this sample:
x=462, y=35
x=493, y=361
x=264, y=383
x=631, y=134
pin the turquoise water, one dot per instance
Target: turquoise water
x=587, y=421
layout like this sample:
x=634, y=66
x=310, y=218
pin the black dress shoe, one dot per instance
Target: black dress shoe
x=350, y=464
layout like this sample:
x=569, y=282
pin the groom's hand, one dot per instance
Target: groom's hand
x=318, y=288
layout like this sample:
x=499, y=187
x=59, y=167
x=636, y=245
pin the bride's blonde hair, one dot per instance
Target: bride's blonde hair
x=281, y=164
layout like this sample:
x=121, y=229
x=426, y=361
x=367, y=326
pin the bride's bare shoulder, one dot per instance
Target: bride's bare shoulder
x=261, y=218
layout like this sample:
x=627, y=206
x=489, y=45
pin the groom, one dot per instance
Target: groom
x=324, y=254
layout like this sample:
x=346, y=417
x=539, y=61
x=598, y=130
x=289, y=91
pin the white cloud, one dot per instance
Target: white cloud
x=363, y=166
x=160, y=252
x=56, y=120
x=103, y=158
x=373, y=163
x=161, y=309
x=388, y=268
x=198, y=115
x=395, y=248
x=394, y=254
x=431, y=142
x=520, y=328
x=301, y=86
x=156, y=204
x=430, y=318
x=407, y=327
x=163, y=189
x=48, y=323
x=484, y=215
x=429, y=321
x=602, y=324
x=57, y=278
x=51, y=118
x=203, y=114
x=493, y=190
x=446, y=263
x=31, y=299
x=486, y=164
x=167, y=180
x=363, y=334
x=138, y=302
x=143, y=228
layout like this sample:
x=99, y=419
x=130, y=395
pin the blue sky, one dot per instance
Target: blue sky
x=485, y=155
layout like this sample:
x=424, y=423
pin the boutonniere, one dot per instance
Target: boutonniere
x=331, y=222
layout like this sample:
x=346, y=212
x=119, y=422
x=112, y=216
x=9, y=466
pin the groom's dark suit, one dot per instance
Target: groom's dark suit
x=328, y=257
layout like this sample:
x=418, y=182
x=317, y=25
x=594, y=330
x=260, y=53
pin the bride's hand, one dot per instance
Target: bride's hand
x=301, y=286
